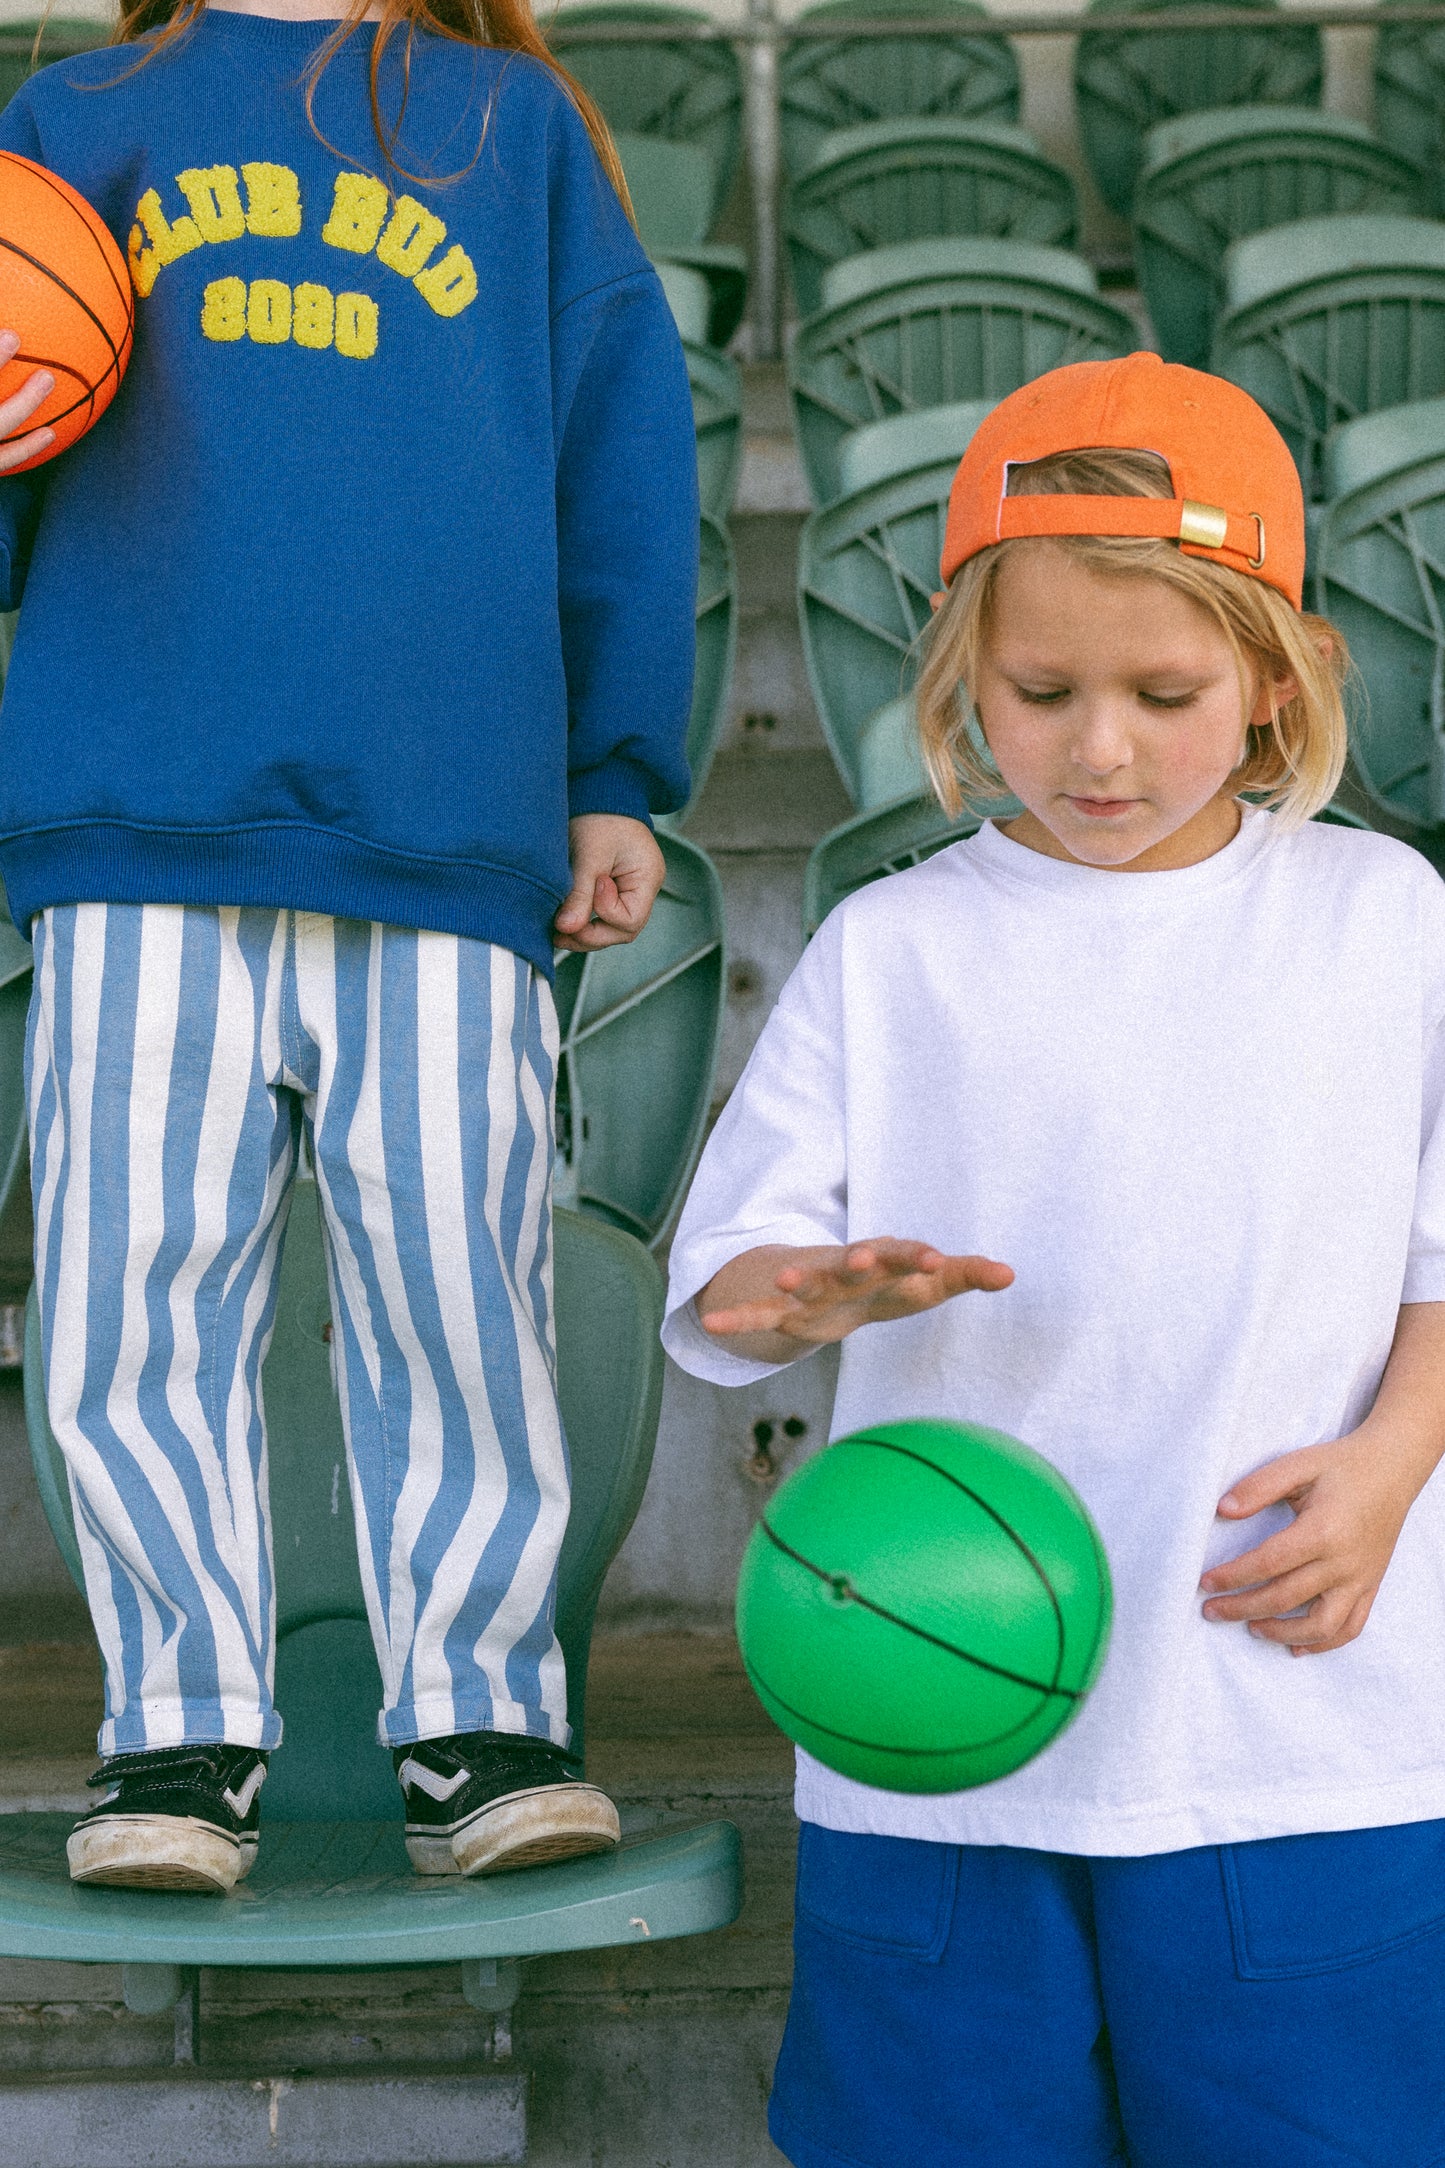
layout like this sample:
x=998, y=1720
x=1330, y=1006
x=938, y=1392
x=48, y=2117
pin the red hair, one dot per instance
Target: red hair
x=506, y=25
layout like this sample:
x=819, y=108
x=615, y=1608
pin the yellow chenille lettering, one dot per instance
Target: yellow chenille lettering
x=223, y=309
x=313, y=313
x=273, y=201
x=358, y=210
x=450, y=285
x=356, y=325
x=268, y=312
x=167, y=241
x=214, y=196
x=412, y=233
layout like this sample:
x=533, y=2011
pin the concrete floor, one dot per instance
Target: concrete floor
x=640, y=2058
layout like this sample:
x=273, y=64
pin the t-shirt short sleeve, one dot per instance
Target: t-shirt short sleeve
x=1425, y=1266
x=774, y=1168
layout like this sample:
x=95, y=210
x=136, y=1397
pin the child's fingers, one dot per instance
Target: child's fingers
x=1286, y=1592
x=744, y=1317
x=1353, y=1627
x=1271, y=1485
x=1321, y=1626
x=16, y=452
x=976, y=1275
x=1284, y=1552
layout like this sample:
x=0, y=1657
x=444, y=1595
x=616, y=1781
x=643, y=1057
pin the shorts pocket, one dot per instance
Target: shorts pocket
x=891, y=1895
x=1302, y=1905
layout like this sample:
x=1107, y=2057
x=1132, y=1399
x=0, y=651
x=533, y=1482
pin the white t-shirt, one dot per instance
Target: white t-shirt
x=1199, y=1113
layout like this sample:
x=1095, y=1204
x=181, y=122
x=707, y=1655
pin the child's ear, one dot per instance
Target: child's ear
x=1274, y=694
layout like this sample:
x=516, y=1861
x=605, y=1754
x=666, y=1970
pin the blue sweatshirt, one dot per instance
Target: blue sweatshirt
x=383, y=561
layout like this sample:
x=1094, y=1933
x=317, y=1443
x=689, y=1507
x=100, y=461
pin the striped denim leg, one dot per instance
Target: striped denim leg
x=162, y=1165
x=432, y=1116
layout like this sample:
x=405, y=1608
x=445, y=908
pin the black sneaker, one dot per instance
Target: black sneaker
x=179, y=1817
x=482, y=1802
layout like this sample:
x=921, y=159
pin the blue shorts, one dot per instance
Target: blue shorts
x=1269, y=2005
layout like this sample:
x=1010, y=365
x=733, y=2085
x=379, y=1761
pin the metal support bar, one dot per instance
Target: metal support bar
x=1062, y=23
x=491, y=1985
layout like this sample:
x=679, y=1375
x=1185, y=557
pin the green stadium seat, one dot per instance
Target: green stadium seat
x=828, y=83
x=685, y=90
x=864, y=849
x=928, y=323
x=717, y=640
x=867, y=568
x=1379, y=573
x=906, y=180
x=640, y=1027
x=671, y=185
x=63, y=34
x=1212, y=178
x=1127, y=81
x=1330, y=318
x=332, y=1887
x=1410, y=97
x=717, y=390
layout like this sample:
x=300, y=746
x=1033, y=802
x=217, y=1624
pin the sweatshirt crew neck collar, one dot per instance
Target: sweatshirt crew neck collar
x=1117, y=888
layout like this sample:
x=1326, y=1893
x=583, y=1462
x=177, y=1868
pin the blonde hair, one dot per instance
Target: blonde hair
x=1292, y=764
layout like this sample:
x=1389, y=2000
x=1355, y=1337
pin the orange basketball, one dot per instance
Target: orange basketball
x=65, y=290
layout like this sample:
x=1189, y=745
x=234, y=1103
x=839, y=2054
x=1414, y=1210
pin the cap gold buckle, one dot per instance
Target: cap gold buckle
x=1255, y=562
x=1204, y=525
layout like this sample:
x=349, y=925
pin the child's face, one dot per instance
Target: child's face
x=1113, y=710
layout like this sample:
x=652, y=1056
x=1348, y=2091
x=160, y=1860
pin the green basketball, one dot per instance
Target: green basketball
x=924, y=1606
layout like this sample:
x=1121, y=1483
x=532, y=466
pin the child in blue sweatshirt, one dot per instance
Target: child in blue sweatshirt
x=370, y=594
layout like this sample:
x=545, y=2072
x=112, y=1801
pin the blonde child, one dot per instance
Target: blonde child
x=1180, y=1062
x=355, y=654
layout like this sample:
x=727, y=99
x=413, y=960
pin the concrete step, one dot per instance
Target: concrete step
x=644, y=2057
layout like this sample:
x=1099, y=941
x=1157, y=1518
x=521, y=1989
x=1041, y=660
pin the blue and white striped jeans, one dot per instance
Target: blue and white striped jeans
x=176, y=1055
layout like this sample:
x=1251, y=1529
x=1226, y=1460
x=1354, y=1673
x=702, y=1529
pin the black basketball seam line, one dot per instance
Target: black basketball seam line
x=981, y=1663
x=41, y=173
x=55, y=278
x=876, y=1746
x=886, y=1445
x=43, y=361
x=91, y=392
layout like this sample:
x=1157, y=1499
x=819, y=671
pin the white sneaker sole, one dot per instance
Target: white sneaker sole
x=159, y=1851
x=525, y=1829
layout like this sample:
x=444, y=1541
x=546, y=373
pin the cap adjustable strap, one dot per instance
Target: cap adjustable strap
x=1166, y=519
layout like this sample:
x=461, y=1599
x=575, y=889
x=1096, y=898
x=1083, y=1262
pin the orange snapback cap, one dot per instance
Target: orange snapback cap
x=1237, y=496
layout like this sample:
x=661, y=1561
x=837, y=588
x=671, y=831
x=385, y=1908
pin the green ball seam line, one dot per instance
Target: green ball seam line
x=887, y=1445
x=851, y=1595
x=880, y=1746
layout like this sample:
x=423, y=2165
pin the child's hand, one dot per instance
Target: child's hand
x=617, y=869
x=1350, y=1499
x=777, y=1301
x=19, y=407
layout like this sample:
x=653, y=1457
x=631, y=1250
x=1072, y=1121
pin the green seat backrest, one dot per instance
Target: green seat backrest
x=1126, y=81
x=941, y=336
x=1379, y=572
x=1410, y=96
x=687, y=297
x=328, y=1688
x=1331, y=318
x=717, y=394
x=717, y=631
x=640, y=1027
x=931, y=436
x=829, y=83
x=905, y=180
x=63, y=34
x=717, y=417
x=906, y=263
x=683, y=89
x=1212, y=178
x=671, y=185
x=864, y=849
x=867, y=568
